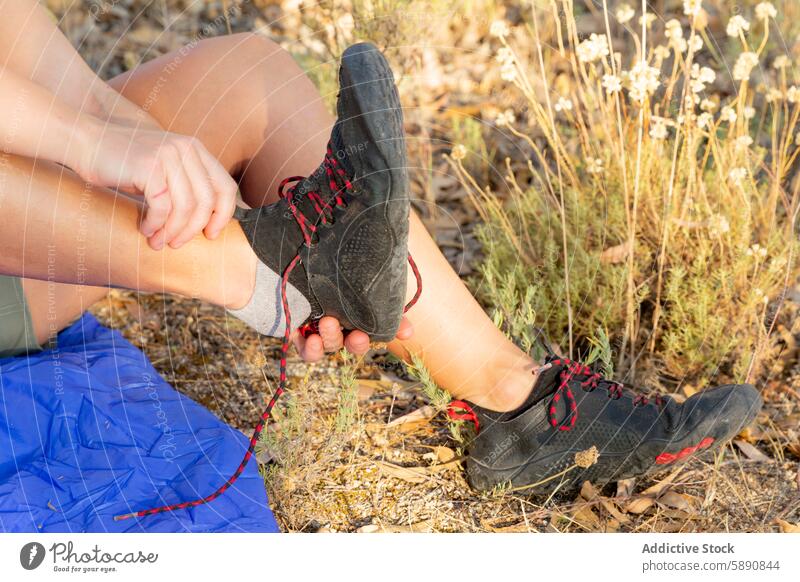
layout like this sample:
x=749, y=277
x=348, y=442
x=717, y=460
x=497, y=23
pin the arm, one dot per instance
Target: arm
x=61, y=111
x=32, y=46
x=35, y=123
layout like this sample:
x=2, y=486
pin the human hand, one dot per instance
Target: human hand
x=330, y=339
x=185, y=189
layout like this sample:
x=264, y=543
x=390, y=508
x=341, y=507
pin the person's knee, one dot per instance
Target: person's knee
x=251, y=47
x=270, y=71
x=254, y=58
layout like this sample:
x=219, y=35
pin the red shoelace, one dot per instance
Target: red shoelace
x=339, y=184
x=461, y=410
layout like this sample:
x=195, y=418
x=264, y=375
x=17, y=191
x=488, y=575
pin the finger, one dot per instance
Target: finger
x=357, y=342
x=331, y=333
x=157, y=198
x=204, y=197
x=406, y=329
x=156, y=241
x=225, y=189
x=313, y=349
x=182, y=198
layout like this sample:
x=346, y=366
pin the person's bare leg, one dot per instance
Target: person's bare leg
x=464, y=351
x=457, y=341
x=254, y=108
x=55, y=228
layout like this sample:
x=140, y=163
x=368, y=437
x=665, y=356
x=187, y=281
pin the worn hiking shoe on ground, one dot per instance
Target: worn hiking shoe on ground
x=348, y=221
x=571, y=409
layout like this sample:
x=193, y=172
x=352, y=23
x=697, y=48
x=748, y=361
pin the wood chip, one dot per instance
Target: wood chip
x=639, y=505
x=625, y=487
x=418, y=527
x=413, y=420
x=787, y=527
x=675, y=500
x=751, y=452
x=409, y=474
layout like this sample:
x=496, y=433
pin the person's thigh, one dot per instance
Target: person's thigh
x=55, y=306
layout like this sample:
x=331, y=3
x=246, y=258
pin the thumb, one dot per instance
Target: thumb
x=157, y=201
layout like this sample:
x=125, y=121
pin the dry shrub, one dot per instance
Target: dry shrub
x=662, y=150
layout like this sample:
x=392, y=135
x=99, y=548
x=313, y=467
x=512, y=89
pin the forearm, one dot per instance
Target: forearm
x=37, y=124
x=32, y=46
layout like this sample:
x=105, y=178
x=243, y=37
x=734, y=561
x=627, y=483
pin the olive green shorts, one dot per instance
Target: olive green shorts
x=16, y=330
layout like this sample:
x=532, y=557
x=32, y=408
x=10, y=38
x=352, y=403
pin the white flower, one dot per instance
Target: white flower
x=593, y=48
x=697, y=86
x=594, y=166
x=661, y=52
x=692, y=7
x=744, y=141
x=647, y=19
x=737, y=25
x=459, y=152
x=642, y=81
x=744, y=66
x=563, y=104
x=718, y=224
x=708, y=105
x=612, y=83
x=508, y=69
x=504, y=118
x=673, y=29
x=766, y=10
x=736, y=175
x=780, y=62
x=697, y=43
x=700, y=76
x=625, y=13
x=793, y=94
x=756, y=250
x=659, y=130
x=707, y=75
x=499, y=29
x=508, y=73
x=774, y=95
x=674, y=33
x=749, y=112
x=704, y=120
x=728, y=114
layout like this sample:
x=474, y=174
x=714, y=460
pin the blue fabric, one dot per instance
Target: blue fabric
x=90, y=430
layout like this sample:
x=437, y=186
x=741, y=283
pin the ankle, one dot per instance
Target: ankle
x=509, y=388
x=237, y=275
x=241, y=280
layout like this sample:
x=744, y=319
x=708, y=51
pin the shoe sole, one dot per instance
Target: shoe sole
x=375, y=106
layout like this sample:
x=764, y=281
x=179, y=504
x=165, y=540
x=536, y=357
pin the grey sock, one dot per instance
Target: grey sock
x=264, y=312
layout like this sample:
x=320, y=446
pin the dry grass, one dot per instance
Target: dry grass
x=523, y=192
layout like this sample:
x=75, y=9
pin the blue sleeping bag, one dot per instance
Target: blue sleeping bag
x=89, y=430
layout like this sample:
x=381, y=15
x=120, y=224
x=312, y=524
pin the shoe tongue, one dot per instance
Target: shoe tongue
x=547, y=382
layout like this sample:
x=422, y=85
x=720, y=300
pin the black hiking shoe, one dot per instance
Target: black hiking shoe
x=340, y=235
x=571, y=409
